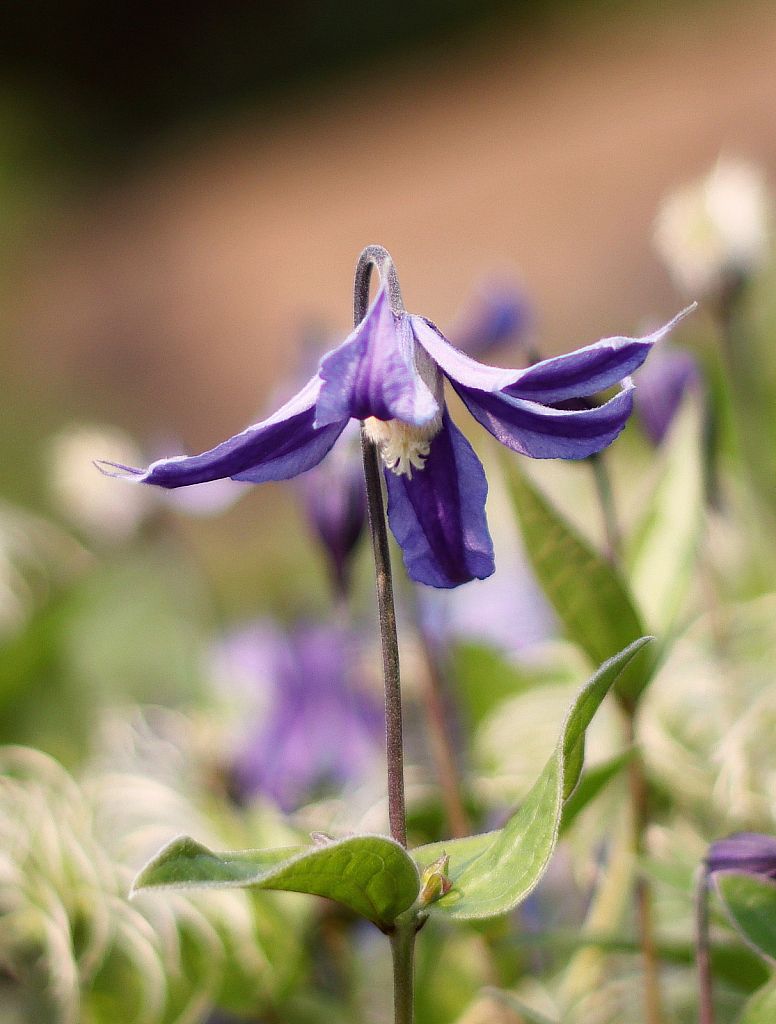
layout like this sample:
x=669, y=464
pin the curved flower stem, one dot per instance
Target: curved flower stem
x=376, y=256
x=403, y=935
x=387, y=616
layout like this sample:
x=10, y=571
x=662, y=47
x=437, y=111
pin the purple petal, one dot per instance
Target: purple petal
x=373, y=373
x=546, y=433
x=456, y=364
x=572, y=375
x=438, y=516
x=278, y=448
x=749, y=852
x=588, y=370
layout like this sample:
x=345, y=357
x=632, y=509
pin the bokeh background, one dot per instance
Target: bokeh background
x=186, y=187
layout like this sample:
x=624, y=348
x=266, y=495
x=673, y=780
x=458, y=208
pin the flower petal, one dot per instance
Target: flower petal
x=572, y=375
x=278, y=448
x=751, y=852
x=456, y=364
x=438, y=516
x=373, y=373
x=588, y=370
x=546, y=433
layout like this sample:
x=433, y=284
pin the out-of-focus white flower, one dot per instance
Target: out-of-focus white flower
x=83, y=494
x=716, y=228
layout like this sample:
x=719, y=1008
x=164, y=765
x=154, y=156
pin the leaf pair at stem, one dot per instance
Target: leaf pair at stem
x=374, y=876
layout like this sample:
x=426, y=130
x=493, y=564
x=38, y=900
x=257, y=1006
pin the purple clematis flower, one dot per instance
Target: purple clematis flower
x=389, y=373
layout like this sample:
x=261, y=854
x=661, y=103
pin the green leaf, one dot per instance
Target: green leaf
x=750, y=903
x=590, y=785
x=372, y=875
x=663, y=557
x=493, y=872
x=588, y=594
x=761, y=1008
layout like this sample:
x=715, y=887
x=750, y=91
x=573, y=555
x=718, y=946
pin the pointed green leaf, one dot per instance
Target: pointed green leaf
x=588, y=594
x=750, y=903
x=663, y=557
x=590, y=785
x=761, y=1007
x=493, y=872
x=371, y=875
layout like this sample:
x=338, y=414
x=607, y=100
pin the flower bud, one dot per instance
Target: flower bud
x=335, y=503
x=748, y=852
x=661, y=384
x=434, y=882
x=496, y=315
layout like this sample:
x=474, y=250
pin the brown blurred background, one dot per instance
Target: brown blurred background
x=186, y=188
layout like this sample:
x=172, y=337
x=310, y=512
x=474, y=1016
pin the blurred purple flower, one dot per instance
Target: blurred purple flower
x=748, y=852
x=320, y=731
x=390, y=373
x=334, y=496
x=662, y=384
x=498, y=313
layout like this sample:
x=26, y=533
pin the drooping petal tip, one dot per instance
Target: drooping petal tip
x=127, y=472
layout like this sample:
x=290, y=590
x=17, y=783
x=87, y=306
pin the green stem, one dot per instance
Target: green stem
x=603, y=485
x=403, y=951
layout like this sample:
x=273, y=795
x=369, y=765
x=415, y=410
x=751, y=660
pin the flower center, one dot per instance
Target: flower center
x=403, y=446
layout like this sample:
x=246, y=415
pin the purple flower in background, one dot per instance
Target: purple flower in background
x=389, y=373
x=320, y=731
x=497, y=314
x=662, y=384
x=748, y=852
x=334, y=495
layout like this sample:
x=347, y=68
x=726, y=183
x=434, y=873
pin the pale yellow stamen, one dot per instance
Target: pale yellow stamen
x=403, y=446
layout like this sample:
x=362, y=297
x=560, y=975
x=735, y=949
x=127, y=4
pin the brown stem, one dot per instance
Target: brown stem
x=375, y=256
x=442, y=748
x=702, y=955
